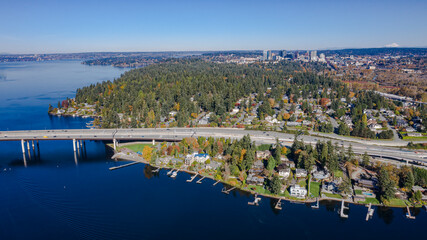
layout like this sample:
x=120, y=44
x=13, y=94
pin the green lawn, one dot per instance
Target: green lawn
x=333, y=195
x=315, y=189
x=302, y=183
x=338, y=174
x=136, y=147
x=358, y=191
x=370, y=200
x=396, y=202
x=259, y=189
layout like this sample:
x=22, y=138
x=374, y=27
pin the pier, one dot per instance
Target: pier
x=192, y=178
x=227, y=191
x=200, y=180
x=317, y=204
x=342, y=214
x=370, y=212
x=170, y=172
x=156, y=170
x=216, y=183
x=256, y=201
x=122, y=166
x=278, y=205
x=408, y=214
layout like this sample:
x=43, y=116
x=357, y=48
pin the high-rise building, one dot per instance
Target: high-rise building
x=313, y=55
x=283, y=53
x=264, y=55
x=322, y=57
x=269, y=55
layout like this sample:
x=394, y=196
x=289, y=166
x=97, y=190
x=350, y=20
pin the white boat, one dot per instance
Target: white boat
x=174, y=174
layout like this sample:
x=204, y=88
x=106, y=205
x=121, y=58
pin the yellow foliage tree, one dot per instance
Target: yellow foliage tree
x=271, y=102
x=286, y=116
x=147, y=152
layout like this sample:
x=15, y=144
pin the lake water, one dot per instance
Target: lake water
x=55, y=197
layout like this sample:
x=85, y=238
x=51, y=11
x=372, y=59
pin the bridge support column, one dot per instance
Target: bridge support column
x=78, y=145
x=154, y=142
x=29, y=150
x=38, y=148
x=74, y=145
x=23, y=146
x=114, y=143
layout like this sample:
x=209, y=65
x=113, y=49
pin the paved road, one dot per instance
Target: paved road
x=374, y=148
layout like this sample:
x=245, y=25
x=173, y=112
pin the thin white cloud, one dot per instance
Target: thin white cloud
x=392, y=45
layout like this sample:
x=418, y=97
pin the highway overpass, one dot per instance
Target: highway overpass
x=374, y=148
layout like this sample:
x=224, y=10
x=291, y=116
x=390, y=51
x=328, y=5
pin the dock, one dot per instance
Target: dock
x=200, y=180
x=216, y=183
x=370, y=212
x=278, y=205
x=192, y=178
x=408, y=214
x=122, y=166
x=256, y=201
x=227, y=191
x=342, y=214
x=317, y=204
x=170, y=172
x=156, y=170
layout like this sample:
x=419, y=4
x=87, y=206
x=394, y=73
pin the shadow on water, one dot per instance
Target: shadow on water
x=386, y=214
x=148, y=172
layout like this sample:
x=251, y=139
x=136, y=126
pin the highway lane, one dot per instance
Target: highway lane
x=373, y=148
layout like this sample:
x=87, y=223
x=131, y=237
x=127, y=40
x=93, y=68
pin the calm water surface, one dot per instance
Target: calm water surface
x=55, y=197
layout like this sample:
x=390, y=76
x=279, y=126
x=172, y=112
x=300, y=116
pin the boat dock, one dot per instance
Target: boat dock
x=370, y=212
x=200, y=180
x=278, y=205
x=342, y=214
x=317, y=204
x=227, y=191
x=256, y=201
x=156, y=170
x=408, y=214
x=192, y=178
x=216, y=183
x=170, y=172
x=122, y=166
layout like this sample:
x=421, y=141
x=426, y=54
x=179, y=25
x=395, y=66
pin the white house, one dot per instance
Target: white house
x=299, y=172
x=284, y=172
x=298, y=191
x=195, y=157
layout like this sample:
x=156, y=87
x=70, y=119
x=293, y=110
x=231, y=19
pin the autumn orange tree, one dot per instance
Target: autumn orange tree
x=147, y=152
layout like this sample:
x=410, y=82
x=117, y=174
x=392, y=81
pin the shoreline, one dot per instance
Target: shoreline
x=141, y=160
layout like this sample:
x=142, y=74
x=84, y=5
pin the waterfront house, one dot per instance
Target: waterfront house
x=329, y=187
x=298, y=191
x=195, y=157
x=320, y=175
x=257, y=167
x=300, y=173
x=366, y=183
x=283, y=170
x=213, y=165
x=254, y=179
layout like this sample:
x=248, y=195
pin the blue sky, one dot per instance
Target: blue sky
x=39, y=26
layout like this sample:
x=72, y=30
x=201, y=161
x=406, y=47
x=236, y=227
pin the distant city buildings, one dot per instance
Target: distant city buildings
x=313, y=56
